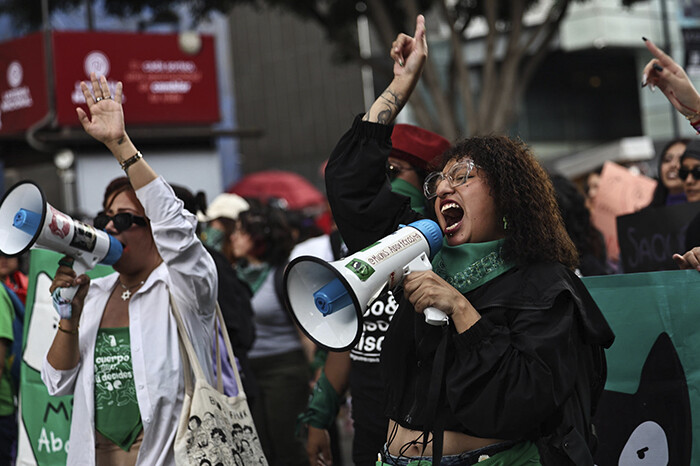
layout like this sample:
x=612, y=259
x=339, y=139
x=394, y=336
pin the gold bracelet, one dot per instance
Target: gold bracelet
x=130, y=161
x=72, y=332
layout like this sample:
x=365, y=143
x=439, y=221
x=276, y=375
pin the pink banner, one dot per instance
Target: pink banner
x=620, y=192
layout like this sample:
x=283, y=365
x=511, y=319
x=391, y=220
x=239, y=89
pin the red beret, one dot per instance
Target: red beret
x=417, y=146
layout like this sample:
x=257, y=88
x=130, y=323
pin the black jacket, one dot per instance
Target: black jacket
x=533, y=366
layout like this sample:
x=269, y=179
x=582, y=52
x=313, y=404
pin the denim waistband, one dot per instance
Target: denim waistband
x=467, y=458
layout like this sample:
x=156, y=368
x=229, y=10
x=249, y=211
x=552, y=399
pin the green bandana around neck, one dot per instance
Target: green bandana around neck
x=253, y=275
x=405, y=188
x=470, y=265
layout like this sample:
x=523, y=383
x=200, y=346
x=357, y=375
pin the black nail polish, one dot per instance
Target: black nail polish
x=644, y=38
x=657, y=67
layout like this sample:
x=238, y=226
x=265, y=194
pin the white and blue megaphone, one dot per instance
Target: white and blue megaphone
x=327, y=299
x=27, y=220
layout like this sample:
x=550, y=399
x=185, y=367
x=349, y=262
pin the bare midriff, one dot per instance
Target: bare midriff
x=454, y=443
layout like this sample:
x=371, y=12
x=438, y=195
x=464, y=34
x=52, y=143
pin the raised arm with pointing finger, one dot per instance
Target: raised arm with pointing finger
x=663, y=72
x=513, y=375
x=409, y=55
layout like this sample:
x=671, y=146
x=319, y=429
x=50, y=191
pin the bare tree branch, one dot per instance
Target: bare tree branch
x=509, y=68
x=431, y=81
x=379, y=16
x=459, y=69
x=488, y=84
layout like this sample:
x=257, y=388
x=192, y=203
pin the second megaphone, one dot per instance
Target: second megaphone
x=327, y=299
x=27, y=220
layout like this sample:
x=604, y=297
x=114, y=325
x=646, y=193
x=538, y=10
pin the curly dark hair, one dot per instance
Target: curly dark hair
x=524, y=195
x=271, y=234
x=577, y=219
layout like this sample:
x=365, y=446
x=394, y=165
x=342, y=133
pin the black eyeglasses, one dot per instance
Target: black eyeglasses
x=684, y=172
x=457, y=175
x=121, y=221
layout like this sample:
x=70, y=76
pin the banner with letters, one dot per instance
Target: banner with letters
x=649, y=238
x=650, y=410
x=164, y=81
x=167, y=78
x=44, y=421
x=23, y=84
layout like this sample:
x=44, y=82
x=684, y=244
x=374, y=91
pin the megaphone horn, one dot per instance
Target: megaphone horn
x=27, y=220
x=327, y=299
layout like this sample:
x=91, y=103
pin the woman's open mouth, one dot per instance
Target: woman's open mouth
x=452, y=213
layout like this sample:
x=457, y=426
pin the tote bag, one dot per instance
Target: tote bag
x=214, y=428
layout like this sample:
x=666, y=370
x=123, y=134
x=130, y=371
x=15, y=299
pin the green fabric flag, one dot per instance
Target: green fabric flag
x=650, y=409
x=44, y=420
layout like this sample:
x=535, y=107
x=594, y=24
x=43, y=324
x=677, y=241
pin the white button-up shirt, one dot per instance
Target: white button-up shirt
x=188, y=271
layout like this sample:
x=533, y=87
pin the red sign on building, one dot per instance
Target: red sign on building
x=162, y=83
x=23, y=87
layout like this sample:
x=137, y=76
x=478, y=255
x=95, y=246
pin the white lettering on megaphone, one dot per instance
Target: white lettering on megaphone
x=394, y=248
x=96, y=62
x=60, y=223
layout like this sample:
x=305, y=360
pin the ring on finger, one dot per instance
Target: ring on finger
x=97, y=99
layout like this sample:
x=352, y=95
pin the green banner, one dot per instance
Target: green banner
x=44, y=420
x=650, y=410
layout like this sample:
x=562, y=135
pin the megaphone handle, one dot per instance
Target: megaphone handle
x=433, y=315
x=80, y=268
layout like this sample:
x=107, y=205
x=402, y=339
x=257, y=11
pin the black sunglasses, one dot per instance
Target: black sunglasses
x=684, y=172
x=121, y=221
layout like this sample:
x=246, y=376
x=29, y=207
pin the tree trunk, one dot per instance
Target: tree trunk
x=494, y=105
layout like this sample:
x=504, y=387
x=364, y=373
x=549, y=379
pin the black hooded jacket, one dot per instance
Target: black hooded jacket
x=532, y=368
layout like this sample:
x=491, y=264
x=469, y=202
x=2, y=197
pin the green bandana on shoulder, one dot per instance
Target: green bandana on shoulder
x=405, y=188
x=470, y=265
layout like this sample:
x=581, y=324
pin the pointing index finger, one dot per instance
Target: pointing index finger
x=664, y=59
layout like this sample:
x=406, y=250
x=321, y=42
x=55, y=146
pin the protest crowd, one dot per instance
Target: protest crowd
x=515, y=373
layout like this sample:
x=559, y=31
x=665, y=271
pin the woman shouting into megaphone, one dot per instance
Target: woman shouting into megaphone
x=514, y=376
x=116, y=350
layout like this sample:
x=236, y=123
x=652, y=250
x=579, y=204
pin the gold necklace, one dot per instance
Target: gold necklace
x=127, y=289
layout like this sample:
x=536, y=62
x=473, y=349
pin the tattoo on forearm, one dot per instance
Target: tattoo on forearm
x=387, y=106
x=393, y=99
x=120, y=141
x=384, y=117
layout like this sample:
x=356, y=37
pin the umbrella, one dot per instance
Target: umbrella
x=298, y=192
